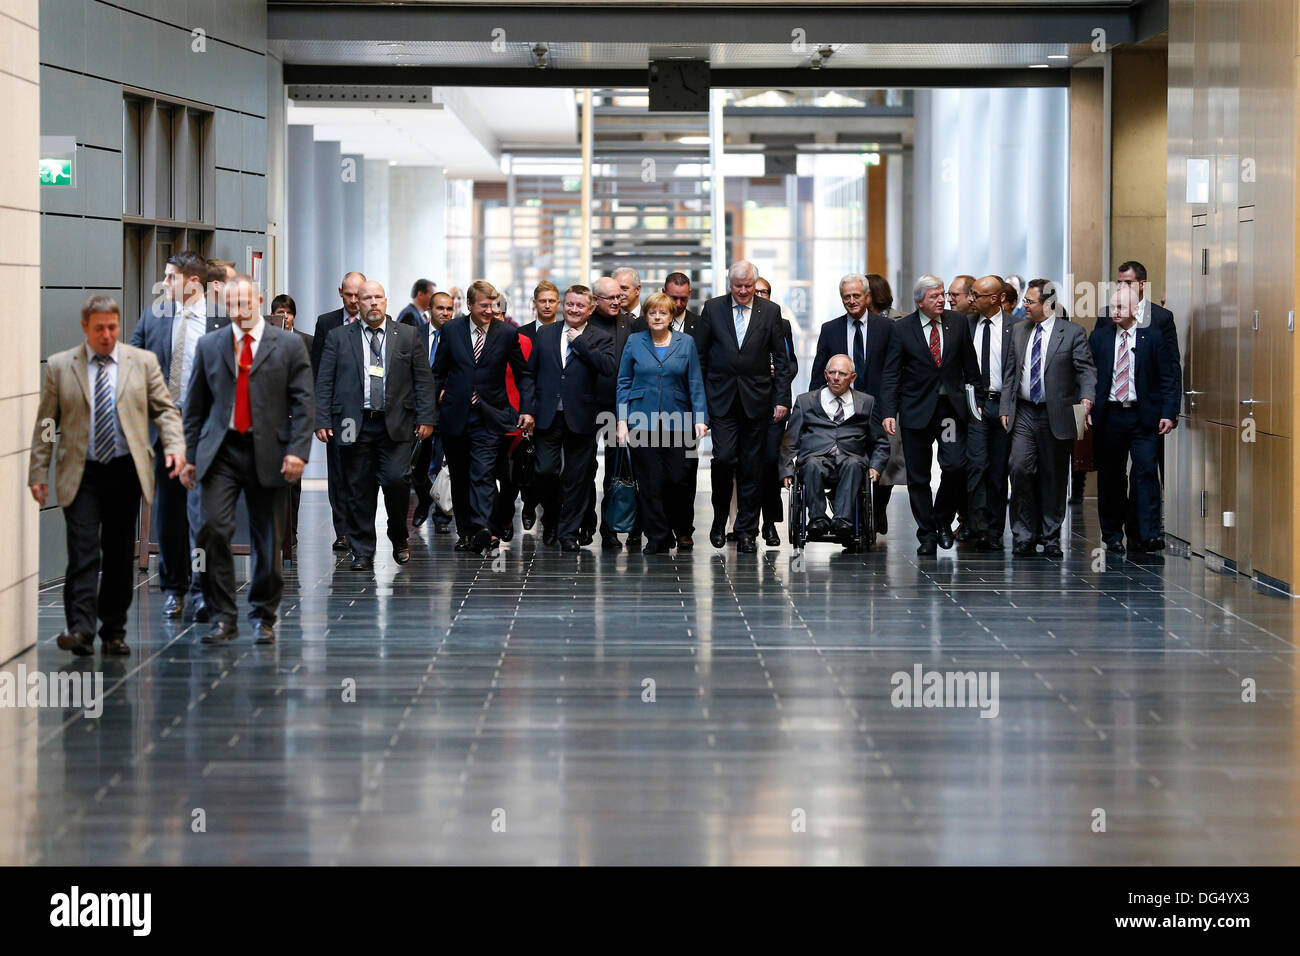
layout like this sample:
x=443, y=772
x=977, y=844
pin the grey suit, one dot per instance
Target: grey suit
x=228, y=463
x=1042, y=434
x=825, y=450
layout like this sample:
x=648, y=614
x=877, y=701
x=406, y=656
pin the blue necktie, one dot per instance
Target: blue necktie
x=433, y=349
x=105, y=443
x=740, y=325
x=1036, y=373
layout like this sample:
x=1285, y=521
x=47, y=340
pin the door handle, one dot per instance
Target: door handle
x=1193, y=392
x=1250, y=402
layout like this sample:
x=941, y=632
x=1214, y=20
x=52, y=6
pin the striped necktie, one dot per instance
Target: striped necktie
x=1122, y=370
x=740, y=325
x=105, y=444
x=1035, y=363
x=479, y=336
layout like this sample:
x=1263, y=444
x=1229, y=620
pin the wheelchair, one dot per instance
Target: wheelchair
x=863, y=537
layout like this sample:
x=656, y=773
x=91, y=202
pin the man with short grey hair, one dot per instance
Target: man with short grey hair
x=629, y=284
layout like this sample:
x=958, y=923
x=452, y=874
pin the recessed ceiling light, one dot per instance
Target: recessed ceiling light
x=1058, y=56
x=693, y=140
x=1038, y=66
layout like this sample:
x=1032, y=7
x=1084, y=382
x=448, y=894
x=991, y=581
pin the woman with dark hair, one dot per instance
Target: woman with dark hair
x=283, y=312
x=661, y=410
x=881, y=297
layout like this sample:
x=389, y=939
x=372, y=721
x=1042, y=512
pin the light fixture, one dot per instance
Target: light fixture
x=693, y=140
x=1058, y=56
x=1038, y=66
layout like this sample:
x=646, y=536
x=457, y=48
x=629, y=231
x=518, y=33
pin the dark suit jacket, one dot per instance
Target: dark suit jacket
x=833, y=341
x=408, y=383
x=1154, y=384
x=456, y=377
x=591, y=355
x=621, y=329
x=811, y=431
x=1163, y=320
x=324, y=325
x=280, y=389
x=410, y=315
x=153, y=331
x=531, y=329
x=912, y=383
x=758, y=371
x=1069, y=374
x=1008, y=323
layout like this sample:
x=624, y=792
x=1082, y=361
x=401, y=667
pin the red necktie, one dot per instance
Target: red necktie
x=934, y=342
x=243, y=405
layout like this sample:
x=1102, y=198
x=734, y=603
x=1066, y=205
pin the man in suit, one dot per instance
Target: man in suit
x=930, y=362
x=770, y=481
x=741, y=344
x=988, y=445
x=1137, y=402
x=960, y=297
x=374, y=396
x=248, y=423
x=171, y=329
x=1133, y=275
x=567, y=360
x=102, y=397
x=546, y=304
x=350, y=293
x=417, y=310
x=284, y=312
x=610, y=317
x=629, y=289
x=474, y=410
x=1048, y=370
x=834, y=435
x=864, y=336
x=429, y=456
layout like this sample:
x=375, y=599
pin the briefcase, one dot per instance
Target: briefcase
x=523, y=464
x=621, y=509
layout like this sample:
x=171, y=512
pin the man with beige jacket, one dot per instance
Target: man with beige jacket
x=99, y=398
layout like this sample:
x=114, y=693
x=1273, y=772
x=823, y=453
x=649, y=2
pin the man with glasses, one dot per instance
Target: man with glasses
x=960, y=297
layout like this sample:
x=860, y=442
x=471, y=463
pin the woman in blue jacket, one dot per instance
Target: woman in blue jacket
x=661, y=410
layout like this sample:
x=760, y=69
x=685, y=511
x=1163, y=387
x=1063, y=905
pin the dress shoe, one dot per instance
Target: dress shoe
x=946, y=539
x=987, y=543
x=202, y=613
x=1116, y=546
x=529, y=518
x=116, y=647
x=360, y=563
x=265, y=633
x=550, y=538
x=421, y=513
x=731, y=537
x=341, y=543
x=173, y=605
x=717, y=538
x=402, y=555
x=819, y=526
x=481, y=540
x=586, y=536
x=508, y=533
x=221, y=632
x=685, y=543
x=634, y=542
x=610, y=542
x=964, y=533
x=442, y=527
x=770, y=537
x=1053, y=551
x=570, y=544
x=80, y=644
x=842, y=528
x=1151, y=545
x=655, y=547
x=926, y=548
x=1025, y=550
x=745, y=544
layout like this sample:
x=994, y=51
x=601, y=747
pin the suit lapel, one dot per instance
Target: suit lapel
x=125, y=369
x=1058, y=336
x=264, y=348
x=227, y=351
x=817, y=408
x=82, y=373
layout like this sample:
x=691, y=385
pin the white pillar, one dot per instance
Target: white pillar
x=417, y=219
x=375, y=254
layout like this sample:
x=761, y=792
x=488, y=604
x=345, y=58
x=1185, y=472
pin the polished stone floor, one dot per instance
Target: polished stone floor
x=461, y=710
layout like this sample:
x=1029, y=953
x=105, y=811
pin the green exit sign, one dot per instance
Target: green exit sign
x=56, y=172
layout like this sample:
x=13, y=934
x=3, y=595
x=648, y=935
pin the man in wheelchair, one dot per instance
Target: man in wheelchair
x=834, y=440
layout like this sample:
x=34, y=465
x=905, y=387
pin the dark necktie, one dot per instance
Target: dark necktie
x=1035, y=372
x=377, y=361
x=984, y=353
x=859, y=355
x=839, y=410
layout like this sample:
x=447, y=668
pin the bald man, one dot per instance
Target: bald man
x=987, y=443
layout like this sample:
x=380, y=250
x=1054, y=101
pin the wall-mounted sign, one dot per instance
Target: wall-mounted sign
x=58, y=162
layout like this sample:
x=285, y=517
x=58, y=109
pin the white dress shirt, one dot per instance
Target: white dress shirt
x=1048, y=325
x=256, y=333
x=829, y=403
x=93, y=371
x=195, y=315
x=925, y=330
x=991, y=327
x=749, y=314
x=1132, y=364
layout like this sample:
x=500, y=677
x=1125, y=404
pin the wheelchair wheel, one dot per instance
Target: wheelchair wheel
x=797, y=516
x=865, y=540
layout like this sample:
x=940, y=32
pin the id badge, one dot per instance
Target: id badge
x=376, y=371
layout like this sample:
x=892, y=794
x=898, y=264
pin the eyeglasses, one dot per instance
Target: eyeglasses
x=607, y=298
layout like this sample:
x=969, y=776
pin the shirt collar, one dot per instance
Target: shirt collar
x=199, y=307
x=259, y=326
x=747, y=308
x=113, y=355
x=567, y=326
x=482, y=328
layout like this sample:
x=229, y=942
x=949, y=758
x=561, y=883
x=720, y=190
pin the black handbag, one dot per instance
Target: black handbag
x=523, y=464
x=621, y=510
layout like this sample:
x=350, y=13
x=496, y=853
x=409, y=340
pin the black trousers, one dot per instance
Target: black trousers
x=738, y=442
x=373, y=461
x=846, y=472
x=1040, y=471
x=428, y=462
x=101, y=532
x=771, y=482
x=937, y=511
x=684, y=505
x=659, y=467
x=233, y=472
x=291, y=519
x=337, y=488
x=988, y=452
x=565, y=459
x=473, y=460
x=1119, y=491
x=172, y=527
x=1132, y=524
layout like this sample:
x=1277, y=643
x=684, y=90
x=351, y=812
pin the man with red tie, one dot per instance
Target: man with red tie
x=248, y=420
